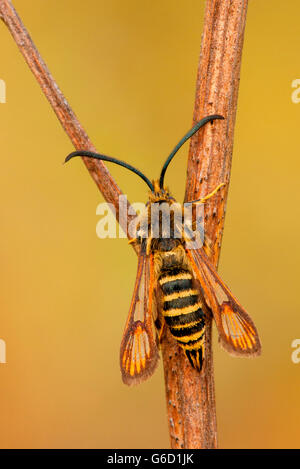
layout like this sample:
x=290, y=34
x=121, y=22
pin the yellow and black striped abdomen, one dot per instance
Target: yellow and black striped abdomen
x=183, y=313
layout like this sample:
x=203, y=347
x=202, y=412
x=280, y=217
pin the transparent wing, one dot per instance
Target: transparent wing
x=139, y=353
x=237, y=332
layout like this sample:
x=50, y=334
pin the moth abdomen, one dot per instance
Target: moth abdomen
x=183, y=313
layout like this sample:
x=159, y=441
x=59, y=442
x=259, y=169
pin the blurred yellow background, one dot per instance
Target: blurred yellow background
x=128, y=70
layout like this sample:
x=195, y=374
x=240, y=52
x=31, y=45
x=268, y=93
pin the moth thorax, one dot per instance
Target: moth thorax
x=174, y=257
x=165, y=221
x=170, y=260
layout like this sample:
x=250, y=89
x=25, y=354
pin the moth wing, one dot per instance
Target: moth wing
x=207, y=246
x=237, y=332
x=139, y=353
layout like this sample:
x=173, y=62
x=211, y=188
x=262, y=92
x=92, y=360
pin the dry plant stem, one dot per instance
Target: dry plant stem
x=190, y=396
x=59, y=104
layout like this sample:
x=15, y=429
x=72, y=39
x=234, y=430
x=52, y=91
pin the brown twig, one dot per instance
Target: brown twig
x=190, y=396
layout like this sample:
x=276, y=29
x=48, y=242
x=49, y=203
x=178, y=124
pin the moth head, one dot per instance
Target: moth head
x=159, y=195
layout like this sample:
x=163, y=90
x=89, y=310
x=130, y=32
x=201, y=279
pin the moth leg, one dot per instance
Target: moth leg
x=204, y=199
x=161, y=331
x=133, y=240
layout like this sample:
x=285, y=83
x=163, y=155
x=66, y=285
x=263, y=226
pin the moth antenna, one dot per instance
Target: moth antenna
x=98, y=156
x=196, y=127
